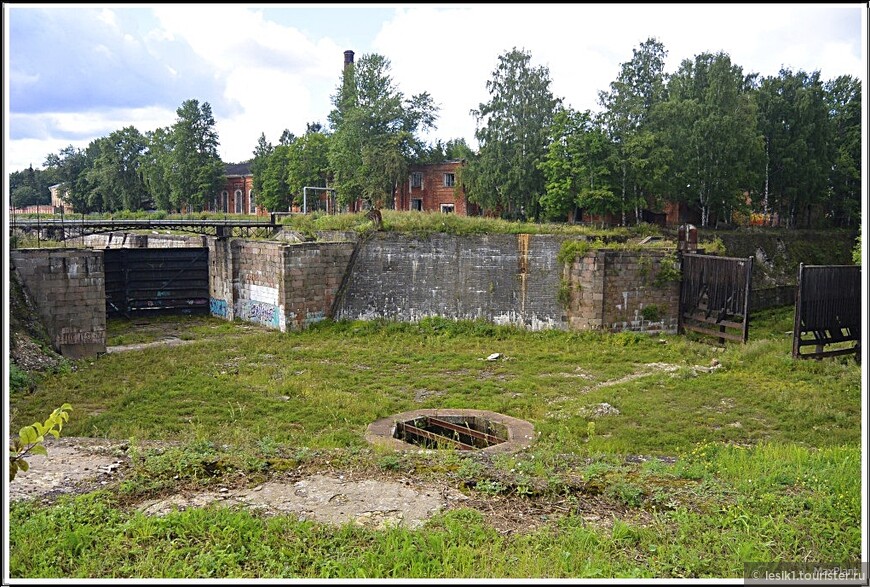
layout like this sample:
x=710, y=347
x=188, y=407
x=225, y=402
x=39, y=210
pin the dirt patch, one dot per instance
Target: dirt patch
x=146, y=345
x=72, y=465
x=331, y=499
x=372, y=498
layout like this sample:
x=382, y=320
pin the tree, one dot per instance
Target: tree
x=116, y=170
x=639, y=161
x=793, y=118
x=262, y=152
x=156, y=165
x=196, y=172
x=709, y=125
x=512, y=132
x=69, y=166
x=29, y=187
x=308, y=162
x=275, y=194
x=843, y=98
x=576, y=167
x=452, y=150
x=375, y=132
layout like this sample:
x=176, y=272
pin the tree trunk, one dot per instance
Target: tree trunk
x=766, y=179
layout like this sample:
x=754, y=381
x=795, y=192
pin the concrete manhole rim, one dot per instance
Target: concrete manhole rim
x=520, y=434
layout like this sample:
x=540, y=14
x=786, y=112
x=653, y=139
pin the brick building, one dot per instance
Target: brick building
x=432, y=188
x=237, y=195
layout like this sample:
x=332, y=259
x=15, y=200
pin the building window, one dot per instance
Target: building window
x=449, y=179
x=447, y=208
x=238, y=198
x=251, y=203
x=417, y=204
x=417, y=180
x=225, y=201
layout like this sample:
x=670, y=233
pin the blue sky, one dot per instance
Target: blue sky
x=75, y=73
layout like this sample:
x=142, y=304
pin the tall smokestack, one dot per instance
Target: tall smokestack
x=348, y=57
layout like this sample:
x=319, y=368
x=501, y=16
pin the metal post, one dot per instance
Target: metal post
x=304, y=200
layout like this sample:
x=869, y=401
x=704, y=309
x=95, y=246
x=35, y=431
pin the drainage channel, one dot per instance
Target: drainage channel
x=452, y=429
x=432, y=432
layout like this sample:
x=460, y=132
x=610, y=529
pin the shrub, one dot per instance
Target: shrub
x=571, y=250
x=19, y=380
x=30, y=438
x=651, y=313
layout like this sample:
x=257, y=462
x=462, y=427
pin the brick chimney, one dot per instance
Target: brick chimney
x=348, y=57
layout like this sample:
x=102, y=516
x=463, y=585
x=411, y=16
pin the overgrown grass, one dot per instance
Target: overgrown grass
x=756, y=458
x=322, y=387
x=768, y=503
x=432, y=222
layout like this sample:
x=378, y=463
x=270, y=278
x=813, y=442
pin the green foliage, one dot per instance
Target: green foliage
x=19, y=380
x=843, y=100
x=714, y=247
x=195, y=173
x=116, y=176
x=564, y=294
x=794, y=119
x=651, y=313
x=669, y=271
x=275, y=192
x=31, y=186
x=590, y=430
x=575, y=167
x=512, y=132
x=626, y=493
x=30, y=438
x=710, y=114
x=639, y=158
x=856, y=252
x=308, y=165
x=374, y=132
x=571, y=250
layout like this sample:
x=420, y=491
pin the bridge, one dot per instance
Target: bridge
x=63, y=228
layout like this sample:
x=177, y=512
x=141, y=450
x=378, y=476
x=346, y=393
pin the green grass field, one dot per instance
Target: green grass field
x=717, y=456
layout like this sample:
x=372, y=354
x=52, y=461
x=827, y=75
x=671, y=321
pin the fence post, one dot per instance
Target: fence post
x=746, y=300
x=796, y=334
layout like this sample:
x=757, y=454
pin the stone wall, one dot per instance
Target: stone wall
x=618, y=291
x=69, y=290
x=257, y=283
x=503, y=278
x=313, y=274
x=281, y=286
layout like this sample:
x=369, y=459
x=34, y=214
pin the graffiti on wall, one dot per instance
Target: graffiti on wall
x=82, y=337
x=217, y=307
x=265, y=314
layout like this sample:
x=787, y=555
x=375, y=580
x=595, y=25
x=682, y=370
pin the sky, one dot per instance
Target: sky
x=75, y=73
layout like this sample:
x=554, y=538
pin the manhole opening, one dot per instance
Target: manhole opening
x=453, y=432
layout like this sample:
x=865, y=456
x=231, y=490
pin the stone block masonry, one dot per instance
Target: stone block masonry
x=618, y=290
x=69, y=290
x=502, y=278
x=277, y=285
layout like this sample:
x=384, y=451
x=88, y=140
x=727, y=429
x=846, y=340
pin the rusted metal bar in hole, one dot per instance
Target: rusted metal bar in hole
x=408, y=428
x=489, y=438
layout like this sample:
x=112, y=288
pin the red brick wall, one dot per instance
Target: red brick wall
x=433, y=192
x=237, y=182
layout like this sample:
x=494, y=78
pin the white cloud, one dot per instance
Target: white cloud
x=277, y=77
x=452, y=52
x=50, y=132
x=262, y=76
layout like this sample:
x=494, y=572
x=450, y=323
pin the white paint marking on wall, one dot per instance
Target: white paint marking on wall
x=259, y=293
